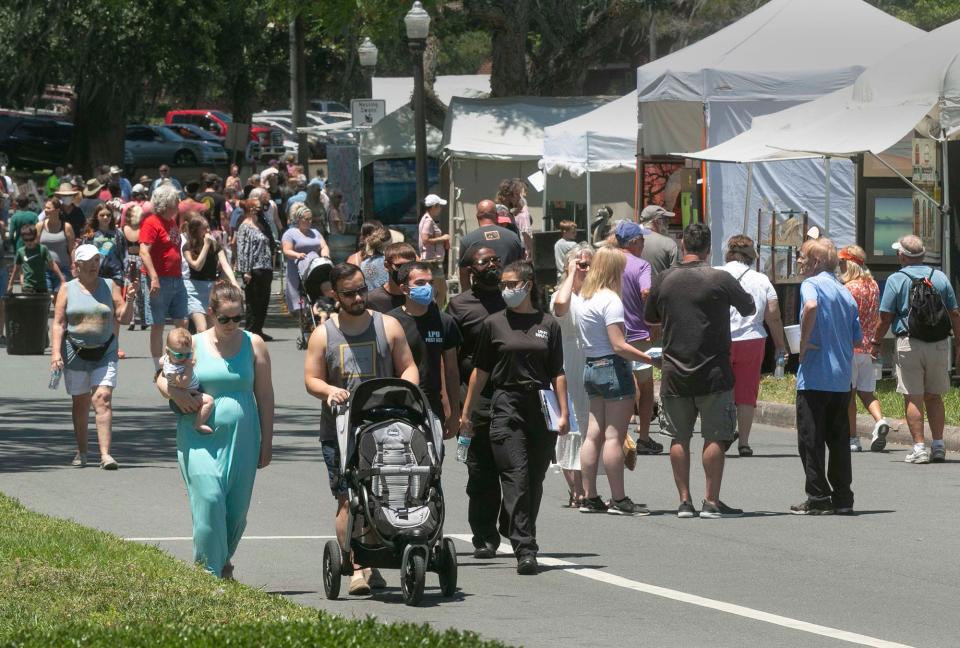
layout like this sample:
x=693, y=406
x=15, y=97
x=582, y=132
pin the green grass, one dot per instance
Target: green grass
x=65, y=584
x=891, y=403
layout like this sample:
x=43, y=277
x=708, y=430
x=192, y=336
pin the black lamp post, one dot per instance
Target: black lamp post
x=417, y=22
x=367, y=53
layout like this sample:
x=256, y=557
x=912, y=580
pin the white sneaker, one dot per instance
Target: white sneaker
x=878, y=440
x=921, y=456
x=855, y=444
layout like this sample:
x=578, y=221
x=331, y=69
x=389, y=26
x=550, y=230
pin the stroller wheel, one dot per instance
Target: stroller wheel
x=412, y=574
x=447, y=567
x=332, y=564
x=301, y=345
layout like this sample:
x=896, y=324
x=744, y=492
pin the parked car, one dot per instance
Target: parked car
x=324, y=105
x=34, y=142
x=155, y=145
x=192, y=132
x=268, y=142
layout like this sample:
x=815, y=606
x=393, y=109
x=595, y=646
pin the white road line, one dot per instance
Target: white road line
x=693, y=599
x=246, y=537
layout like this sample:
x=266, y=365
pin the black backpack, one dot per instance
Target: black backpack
x=927, y=317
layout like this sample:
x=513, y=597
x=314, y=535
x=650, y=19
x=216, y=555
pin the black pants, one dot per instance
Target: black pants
x=822, y=424
x=257, y=294
x=522, y=448
x=483, y=482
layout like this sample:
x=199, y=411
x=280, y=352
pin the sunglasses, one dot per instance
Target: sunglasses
x=512, y=284
x=185, y=355
x=350, y=294
x=487, y=261
x=223, y=319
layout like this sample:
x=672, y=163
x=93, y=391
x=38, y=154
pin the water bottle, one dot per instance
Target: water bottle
x=55, y=378
x=463, y=445
x=781, y=361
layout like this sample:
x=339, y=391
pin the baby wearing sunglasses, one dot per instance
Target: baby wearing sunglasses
x=178, y=370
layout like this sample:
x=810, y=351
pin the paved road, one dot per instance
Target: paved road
x=768, y=579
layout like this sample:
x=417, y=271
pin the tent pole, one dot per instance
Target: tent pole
x=826, y=196
x=746, y=202
x=906, y=179
x=946, y=244
x=589, y=201
x=547, y=224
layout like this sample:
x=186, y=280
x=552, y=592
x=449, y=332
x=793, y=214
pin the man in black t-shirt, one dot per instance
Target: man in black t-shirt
x=390, y=295
x=434, y=339
x=505, y=243
x=692, y=301
x=214, y=200
x=469, y=309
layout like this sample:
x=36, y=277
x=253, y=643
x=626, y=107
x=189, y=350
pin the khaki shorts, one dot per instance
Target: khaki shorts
x=922, y=367
x=642, y=375
x=718, y=416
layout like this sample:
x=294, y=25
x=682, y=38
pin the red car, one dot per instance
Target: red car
x=267, y=142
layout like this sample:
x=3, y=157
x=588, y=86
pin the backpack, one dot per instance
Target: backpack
x=927, y=317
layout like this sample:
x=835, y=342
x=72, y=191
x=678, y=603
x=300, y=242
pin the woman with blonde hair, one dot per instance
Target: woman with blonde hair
x=857, y=278
x=607, y=380
x=576, y=265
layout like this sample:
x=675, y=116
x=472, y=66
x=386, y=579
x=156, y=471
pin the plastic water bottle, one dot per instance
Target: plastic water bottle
x=55, y=378
x=463, y=445
x=781, y=361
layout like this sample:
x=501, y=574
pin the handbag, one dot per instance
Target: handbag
x=629, y=453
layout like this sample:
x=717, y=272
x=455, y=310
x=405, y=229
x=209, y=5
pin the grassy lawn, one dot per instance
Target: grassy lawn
x=785, y=390
x=66, y=584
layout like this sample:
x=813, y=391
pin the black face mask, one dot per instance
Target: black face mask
x=488, y=278
x=395, y=275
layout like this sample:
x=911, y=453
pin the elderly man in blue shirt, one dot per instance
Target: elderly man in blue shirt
x=829, y=329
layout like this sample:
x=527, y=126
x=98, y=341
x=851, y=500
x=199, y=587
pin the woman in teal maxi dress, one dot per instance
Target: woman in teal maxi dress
x=219, y=469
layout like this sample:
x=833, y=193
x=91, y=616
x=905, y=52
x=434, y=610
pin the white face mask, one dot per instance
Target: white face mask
x=513, y=297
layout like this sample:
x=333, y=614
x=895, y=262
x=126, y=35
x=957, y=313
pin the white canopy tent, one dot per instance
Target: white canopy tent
x=396, y=91
x=393, y=137
x=785, y=53
x=915, y=87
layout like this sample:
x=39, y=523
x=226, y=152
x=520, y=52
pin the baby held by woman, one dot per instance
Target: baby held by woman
x=178, y=370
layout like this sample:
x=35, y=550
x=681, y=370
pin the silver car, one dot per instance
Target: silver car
x=154, y=145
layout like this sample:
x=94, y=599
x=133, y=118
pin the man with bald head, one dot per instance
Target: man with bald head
x=505, y=243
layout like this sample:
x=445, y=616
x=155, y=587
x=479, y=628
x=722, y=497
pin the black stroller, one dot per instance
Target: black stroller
x=313, y=271
x=390, y=453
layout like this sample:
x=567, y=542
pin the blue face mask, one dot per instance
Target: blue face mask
x=422, y=295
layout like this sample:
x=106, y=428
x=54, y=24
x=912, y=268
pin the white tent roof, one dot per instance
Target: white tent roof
x=788, y=50
x=916, y=86
x=509, y=128
x=396, y=91
x=601, y=140
x=393, y=137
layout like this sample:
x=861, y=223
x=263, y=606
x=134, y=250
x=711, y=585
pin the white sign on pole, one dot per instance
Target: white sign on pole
x=367, y=112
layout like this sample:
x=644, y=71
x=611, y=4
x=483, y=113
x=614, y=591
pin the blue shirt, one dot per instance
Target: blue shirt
x=896, y=293
x=836, y=329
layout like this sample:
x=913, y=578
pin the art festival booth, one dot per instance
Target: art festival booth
x=489, y=140
x=785, y=53
x=603, y=141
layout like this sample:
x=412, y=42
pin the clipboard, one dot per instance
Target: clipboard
x=551, y=411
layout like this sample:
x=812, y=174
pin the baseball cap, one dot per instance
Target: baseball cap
x=628, y=230
x=85, y=252
x=910, y=246
x=432, y=200
x=138, y=188
x=653, y=212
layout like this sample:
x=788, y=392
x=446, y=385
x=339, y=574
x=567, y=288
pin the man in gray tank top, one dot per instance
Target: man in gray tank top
x=351, y=347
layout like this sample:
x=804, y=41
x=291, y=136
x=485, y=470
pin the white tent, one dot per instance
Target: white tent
x=916, y=86
x=396, y=91
x=785, y=53
x=393, y=137
x=602, y=140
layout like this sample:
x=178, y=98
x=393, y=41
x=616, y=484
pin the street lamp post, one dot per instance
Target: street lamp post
x=367, y=53
x=417, y=22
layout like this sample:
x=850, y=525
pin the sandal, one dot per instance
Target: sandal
x=745, y=451
x=108, y=463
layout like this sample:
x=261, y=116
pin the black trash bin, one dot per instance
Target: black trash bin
x=27, y=323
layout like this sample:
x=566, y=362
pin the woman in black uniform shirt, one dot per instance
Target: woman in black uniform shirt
x=520, y=353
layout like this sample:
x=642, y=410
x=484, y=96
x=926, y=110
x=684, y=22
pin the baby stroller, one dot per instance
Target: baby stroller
x=313, y=271
x=390, y=453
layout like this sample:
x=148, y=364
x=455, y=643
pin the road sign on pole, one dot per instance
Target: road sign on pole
x=367, y=112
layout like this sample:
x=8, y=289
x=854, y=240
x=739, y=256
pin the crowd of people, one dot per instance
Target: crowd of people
x=204, y=255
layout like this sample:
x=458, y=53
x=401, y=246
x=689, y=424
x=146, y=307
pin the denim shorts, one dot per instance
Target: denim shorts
x=331, y=457
x=609, y=378
x=198, y=295
x=170, y=302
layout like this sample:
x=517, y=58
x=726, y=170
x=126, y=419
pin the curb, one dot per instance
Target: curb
x=782, y=415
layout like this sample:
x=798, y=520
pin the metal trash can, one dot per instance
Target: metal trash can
x=26, y=315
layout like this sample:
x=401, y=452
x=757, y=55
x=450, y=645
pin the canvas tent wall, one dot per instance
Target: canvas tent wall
x=487, y=140
x=393, y=138
x=396, y=91
x=785, y=53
